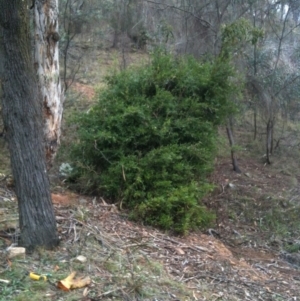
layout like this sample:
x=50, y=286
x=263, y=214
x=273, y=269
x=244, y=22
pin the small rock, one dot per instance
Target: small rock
x=16, y=251
x=231, y=186
x=81, y=258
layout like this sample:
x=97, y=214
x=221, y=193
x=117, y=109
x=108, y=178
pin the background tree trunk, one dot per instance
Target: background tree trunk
x=231, y=142
x=47, y=67
x=255, y=122
x=22, y=115
x=269, y=143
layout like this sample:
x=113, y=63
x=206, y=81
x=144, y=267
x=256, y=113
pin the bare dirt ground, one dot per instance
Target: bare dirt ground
x=239, y=259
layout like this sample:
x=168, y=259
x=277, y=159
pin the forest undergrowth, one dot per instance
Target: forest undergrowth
x=251, y=251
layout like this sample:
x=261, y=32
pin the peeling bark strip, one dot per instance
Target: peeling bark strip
x=47, y=67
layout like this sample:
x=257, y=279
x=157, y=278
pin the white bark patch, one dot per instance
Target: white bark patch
x=47, y=68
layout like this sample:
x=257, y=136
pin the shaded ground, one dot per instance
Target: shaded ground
x=242, y=258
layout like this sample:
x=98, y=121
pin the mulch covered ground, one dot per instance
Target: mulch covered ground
x=229, y=262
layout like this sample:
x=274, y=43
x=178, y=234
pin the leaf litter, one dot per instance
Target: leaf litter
x=128, y=261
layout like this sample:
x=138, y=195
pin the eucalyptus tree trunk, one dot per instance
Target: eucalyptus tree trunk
x=22, y=116
x=46, y=62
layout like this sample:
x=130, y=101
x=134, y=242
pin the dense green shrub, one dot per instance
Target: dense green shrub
x=149, y=142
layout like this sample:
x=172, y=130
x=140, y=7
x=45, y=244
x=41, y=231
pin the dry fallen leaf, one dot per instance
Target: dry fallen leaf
x=71, y=283
x=179, y=251
x=56, y=268
x=85, y=292
x=81, y=282
x=65, y=284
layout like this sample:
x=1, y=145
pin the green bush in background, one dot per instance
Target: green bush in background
x=149, y=142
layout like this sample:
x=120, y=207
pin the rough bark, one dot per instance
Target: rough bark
x=22, y=115
x=47, y=67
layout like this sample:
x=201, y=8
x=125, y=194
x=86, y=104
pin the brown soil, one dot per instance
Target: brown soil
x=228, y=268
x=85, y=90
x=236, y=260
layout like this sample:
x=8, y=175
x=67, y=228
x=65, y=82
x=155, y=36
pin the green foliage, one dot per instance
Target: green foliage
x=238, y=34
x=150, y=140
x=178, y=209
x=292, y=248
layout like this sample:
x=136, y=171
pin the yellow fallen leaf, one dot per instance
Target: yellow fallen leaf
x=81, y=282
x=66, y=283
x=71, y=283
